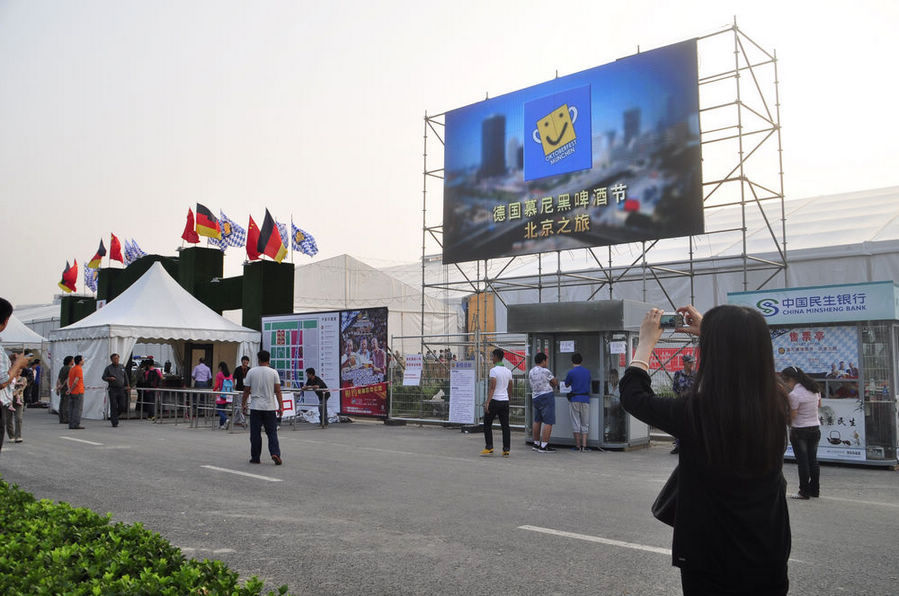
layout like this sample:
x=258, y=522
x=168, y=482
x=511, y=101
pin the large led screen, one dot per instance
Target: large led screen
x=604, y=156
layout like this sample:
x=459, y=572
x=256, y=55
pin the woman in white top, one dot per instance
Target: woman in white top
x=805, y=432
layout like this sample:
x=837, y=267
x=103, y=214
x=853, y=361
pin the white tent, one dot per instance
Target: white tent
x=17, y=334
x=343, y=282
x=155, y=309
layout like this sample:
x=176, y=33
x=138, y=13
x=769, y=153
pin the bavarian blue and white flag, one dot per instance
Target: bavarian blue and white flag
x=303, y=241
x=282, y=231
x=129, y=253
x=136, y=250
x=217, y=243
x=90, y=278
x=232, y=234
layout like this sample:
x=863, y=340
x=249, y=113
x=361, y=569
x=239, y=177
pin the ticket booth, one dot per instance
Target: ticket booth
x=605, y=334
x=846, y=337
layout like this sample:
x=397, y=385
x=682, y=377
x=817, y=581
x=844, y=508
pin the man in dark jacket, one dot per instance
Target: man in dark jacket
x=118, y=383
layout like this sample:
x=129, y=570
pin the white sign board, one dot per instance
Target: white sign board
x=412, y=373
x=618, y=347
x=566, y=346
x=462, y=392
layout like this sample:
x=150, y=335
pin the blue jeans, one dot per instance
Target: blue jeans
x=269, y=420
x=805, y=448
x=220, y=409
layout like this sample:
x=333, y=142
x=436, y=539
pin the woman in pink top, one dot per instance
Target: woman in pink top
x=223, y=382
x=805, y=432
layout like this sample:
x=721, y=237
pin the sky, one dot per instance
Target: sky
x=118, y=115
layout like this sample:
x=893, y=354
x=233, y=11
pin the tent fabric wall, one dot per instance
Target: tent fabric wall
x=345, y=283
x=155, y=309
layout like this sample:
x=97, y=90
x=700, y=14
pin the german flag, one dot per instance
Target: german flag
x=101, y=252
x=252, y=240
x=207, y=224
x=69, y=278
x=270, y=239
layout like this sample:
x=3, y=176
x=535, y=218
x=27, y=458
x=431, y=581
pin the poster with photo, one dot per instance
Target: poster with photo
x=363, y=361
x=830, y=356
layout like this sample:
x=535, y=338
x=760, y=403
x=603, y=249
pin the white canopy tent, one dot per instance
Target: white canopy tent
x=17, y=335
x=155, y=309
x=342, y=282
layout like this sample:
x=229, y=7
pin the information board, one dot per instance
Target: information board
x=412, y=372
x=346, y=349
x=462, y=392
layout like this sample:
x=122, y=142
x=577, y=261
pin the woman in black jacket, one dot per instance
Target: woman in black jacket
x=732, y=527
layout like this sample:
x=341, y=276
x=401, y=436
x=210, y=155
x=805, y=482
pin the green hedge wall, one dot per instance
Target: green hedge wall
x=54, y=548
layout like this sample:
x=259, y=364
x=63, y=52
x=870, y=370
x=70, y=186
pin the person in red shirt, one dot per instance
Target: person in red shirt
x=76, y=393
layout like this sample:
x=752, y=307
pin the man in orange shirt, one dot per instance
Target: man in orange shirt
x=76, y=394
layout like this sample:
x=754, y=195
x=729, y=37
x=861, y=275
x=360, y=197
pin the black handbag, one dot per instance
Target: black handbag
x=663, y=509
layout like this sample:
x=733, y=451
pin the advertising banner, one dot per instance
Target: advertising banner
x=830, y=356
x=363, y=361
x=605, y=156
x=874, y=301
x=463, y=378
x=346, y=349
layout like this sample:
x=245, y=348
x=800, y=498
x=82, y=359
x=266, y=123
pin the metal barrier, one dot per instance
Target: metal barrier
x=428, y=402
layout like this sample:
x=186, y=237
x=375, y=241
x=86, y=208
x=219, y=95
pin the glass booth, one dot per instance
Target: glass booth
x=604, y=333
x=846, y=337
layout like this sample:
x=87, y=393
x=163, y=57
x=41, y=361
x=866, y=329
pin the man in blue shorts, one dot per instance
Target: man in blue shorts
x=544, y=403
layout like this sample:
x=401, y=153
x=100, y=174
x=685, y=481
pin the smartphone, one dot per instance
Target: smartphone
x=671, y=320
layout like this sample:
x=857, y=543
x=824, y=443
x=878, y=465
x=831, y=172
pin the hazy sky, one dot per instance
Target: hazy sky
x=117, y=115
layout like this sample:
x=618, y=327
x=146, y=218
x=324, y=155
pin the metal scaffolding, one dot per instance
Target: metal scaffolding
x=740, y=139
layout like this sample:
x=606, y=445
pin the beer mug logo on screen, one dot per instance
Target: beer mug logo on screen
x=556, y=129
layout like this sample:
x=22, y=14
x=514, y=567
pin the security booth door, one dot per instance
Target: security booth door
x=588, y=345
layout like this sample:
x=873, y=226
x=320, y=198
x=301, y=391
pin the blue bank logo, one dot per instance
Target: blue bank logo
x=558, y=135
x=768, y=306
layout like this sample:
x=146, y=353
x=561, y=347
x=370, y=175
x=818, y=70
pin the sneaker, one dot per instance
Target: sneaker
x=546, y=449
x=536, y=446
x=277, y=460
x=18, y=441
x=505, y=454
x=800, y=496
x=486, y=452
x=255, y=461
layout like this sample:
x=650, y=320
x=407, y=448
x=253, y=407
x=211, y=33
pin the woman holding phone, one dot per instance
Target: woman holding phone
x=731, y=527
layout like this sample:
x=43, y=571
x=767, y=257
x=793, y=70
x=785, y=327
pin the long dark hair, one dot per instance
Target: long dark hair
x=794, y=373
x=224, y=368
x=740, y=409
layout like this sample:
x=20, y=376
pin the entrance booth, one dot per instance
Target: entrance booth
x=846, y=337
x=605, y=334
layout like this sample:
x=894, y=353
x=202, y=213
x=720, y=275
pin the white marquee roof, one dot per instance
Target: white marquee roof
x=157, y=307
x=17, y=334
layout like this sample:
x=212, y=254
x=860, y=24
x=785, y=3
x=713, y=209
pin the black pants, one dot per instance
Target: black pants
x=805, y=448
x=118, y=404
x=267, y=419
x=63, y=410
x=697, y=583
x=497, y=409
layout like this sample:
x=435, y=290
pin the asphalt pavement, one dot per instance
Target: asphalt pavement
x=365, y=508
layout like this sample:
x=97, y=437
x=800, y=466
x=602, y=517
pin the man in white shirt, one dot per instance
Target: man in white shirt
x=497, y=405
x=262, y=387
x=543, y=402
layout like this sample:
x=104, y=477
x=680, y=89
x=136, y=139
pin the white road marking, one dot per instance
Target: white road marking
x=82, y=441
x=247, y=474
x=856, y=501
x=609, y=541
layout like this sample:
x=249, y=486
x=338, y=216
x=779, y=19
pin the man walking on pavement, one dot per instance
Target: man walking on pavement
x=497, y=404
x=262, y=389
x=544, y=403
x=116, y=378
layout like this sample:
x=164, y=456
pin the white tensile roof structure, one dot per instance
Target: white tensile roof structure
x=17, y=334
x=154, y=309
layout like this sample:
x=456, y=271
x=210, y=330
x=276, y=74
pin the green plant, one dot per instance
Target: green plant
x=54, y=548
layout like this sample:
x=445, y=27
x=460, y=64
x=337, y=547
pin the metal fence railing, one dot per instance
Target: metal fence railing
x=428, y=402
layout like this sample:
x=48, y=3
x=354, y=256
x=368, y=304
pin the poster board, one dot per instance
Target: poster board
x=346, y=349
x=463, y=379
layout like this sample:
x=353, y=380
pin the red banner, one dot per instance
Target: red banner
x=368, y=400
x=672, y=357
